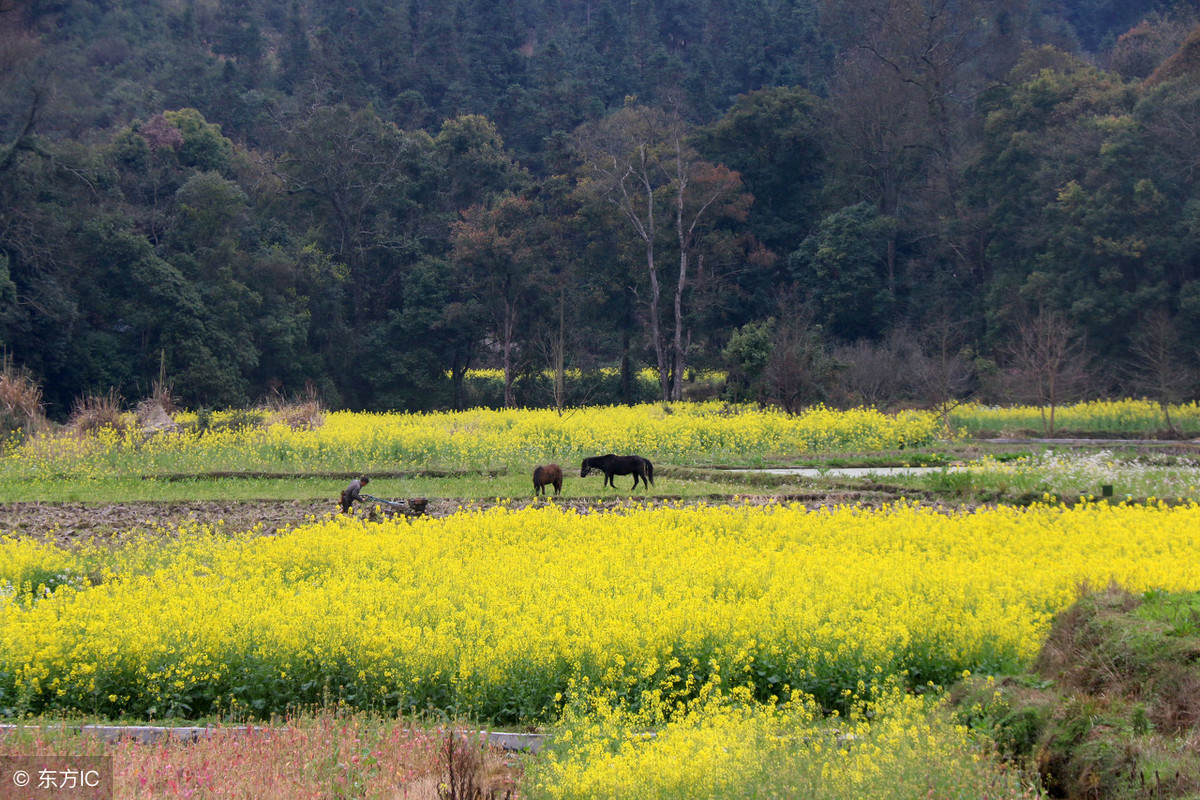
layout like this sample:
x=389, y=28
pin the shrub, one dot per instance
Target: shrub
x=304, y=413
x=21, y=410
x=94, y=413
x=1111, y=711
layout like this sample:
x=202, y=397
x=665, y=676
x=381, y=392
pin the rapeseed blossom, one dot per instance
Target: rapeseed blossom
x=1129, y=416
x=498, y=613
x=724, y=746
x=479, y=439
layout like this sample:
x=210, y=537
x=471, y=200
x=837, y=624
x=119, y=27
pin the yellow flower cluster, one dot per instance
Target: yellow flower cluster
x=1128, y=416
x=646, y=374
x=686, y=433
x=26, y=566
x=495, y=612
x=723, y=746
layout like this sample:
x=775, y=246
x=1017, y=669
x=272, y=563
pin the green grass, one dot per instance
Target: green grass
x=1002, y=476
x=1180, y=613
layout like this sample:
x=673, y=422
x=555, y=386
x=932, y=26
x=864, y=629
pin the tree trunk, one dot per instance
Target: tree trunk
x=559, y=356
x=458, y=374
x=655, y=333
x=678, y=356
x=627, y=347
x=510, y=317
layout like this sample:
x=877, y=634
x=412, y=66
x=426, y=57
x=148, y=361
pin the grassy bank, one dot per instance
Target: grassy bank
x=1111, y=708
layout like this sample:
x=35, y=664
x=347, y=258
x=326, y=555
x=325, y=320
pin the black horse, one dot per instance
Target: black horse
x=611, y=465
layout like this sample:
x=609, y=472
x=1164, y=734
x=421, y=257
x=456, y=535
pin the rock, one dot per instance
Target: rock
x=153, y=418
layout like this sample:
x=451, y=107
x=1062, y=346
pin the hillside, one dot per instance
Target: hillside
x=245, y=199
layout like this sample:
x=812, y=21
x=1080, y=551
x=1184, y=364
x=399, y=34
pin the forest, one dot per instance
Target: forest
x=854, y=202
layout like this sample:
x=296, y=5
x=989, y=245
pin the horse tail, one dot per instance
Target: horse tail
x=649, y=470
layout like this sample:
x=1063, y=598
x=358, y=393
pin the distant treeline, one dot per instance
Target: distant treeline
x=850, y=201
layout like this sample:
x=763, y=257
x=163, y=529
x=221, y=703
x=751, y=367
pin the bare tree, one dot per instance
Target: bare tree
x=800, y=368
x=638, y=160
x=359, y=170
x=1158, y=366
x=550, y=339
x=876, y=125
x=876, y=373
x=944, y=374
x=624, y=154
x=699, y=186
x=949, y=51
x=1048, y=364
x=493, y=252
x=905, y=89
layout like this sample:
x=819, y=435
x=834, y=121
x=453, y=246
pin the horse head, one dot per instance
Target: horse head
x=585, y=469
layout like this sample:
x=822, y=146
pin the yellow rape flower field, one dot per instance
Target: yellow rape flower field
x=688, y=433
x=495, y=613
x=721, y=746
x=1129, y=417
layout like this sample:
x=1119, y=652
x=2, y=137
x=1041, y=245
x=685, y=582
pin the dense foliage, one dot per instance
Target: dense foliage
x=236, y=198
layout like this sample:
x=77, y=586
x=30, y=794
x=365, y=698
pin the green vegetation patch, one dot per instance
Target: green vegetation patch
x=1111, y=710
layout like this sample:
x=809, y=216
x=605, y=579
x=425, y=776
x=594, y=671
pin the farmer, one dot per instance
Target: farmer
x=350, y=493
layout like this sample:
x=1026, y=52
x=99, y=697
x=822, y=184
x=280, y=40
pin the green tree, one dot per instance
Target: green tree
x=746, y=357
x=203, y=147
x=475, y=164
x=207, y=208
x=1113, y=236
x=1042, y=136
x=771, y=138
x=404, y=356
x=843, y=268
x=24, y=89
x=296, y=53
x=8, y=299
x=156, y=156
x=361, y=183
x=493, y=251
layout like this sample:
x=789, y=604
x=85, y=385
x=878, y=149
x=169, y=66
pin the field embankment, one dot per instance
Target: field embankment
x=1110, y=709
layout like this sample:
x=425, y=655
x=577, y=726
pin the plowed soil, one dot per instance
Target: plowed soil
x=74, y=522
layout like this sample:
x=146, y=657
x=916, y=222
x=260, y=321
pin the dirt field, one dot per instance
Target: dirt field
x=73, y=522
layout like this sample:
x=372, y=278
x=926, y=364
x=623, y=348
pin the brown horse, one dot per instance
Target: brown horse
x=551, y=473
